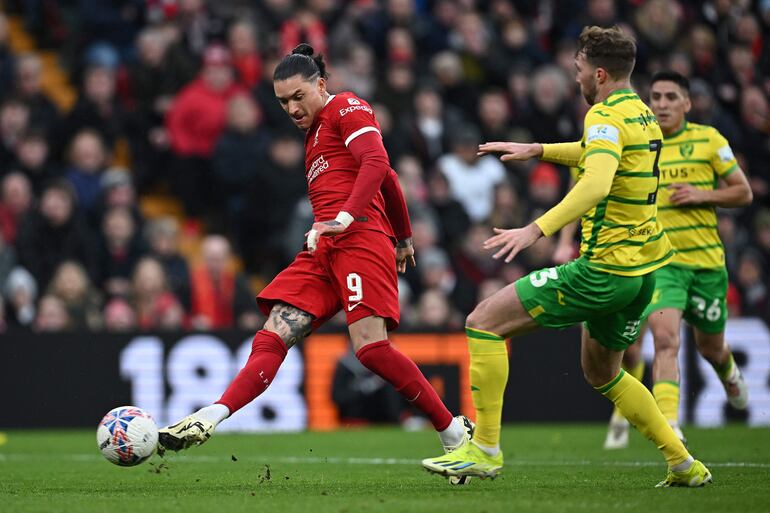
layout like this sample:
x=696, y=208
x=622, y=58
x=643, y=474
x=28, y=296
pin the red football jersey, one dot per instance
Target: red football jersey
x=331, y=169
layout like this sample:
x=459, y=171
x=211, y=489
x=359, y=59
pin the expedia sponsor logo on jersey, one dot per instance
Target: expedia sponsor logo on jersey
x=348, y=110
x=319, y=166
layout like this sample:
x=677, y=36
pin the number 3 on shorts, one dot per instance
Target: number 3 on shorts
x=539, y=278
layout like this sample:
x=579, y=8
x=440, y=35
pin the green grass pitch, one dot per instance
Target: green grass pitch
x=549, y=468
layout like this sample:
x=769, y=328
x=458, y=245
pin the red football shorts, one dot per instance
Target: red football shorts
x=355, y=272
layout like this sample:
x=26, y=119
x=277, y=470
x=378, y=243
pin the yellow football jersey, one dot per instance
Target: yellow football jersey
x=698, y=155
x=622, y=234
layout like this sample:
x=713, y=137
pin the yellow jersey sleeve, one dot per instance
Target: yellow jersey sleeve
x=722, y=158
x=566, y=154
x=585, y=195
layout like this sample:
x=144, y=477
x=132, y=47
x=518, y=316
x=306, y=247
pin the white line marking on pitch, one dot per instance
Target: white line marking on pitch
x=334, y=460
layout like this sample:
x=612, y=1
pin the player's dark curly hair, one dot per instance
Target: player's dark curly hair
x=301, y=62
x=672, y=76
x=608, y=48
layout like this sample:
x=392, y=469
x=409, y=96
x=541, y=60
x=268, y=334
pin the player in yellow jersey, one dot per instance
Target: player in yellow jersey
x=607, y=288
x=633, y=363
x=693, y=286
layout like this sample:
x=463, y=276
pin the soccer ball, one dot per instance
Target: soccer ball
x=127, y=436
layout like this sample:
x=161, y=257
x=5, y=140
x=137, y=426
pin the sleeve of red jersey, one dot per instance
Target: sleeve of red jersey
x=361, y=133
x=355, y=118
x=395, y=206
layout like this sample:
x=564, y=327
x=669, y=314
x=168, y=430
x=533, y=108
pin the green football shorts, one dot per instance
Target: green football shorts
x=701, y=295
x=609, y=305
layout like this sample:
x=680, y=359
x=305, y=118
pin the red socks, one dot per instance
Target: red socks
x=384, y=360
x=267, y=354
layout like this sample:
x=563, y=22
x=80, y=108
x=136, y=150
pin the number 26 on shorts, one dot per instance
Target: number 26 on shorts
x=713, y=313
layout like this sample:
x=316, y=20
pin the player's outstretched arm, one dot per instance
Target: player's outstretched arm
x=512, y=150
x=586, y=194
x=512, y=241
x=566, y=154
x=565, y=248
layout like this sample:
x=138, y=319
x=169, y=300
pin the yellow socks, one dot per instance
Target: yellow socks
x=638, y=406
x=667, y=396
x=489, y=375
x=636, y=371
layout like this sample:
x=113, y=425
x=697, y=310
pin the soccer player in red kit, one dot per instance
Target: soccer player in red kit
x=350, y=262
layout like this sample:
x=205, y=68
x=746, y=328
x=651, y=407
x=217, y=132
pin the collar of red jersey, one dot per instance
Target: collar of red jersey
x=329, y=99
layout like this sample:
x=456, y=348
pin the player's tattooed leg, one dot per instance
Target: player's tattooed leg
x=289, y=322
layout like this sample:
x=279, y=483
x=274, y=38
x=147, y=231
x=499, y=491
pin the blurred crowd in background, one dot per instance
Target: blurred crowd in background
x=175, y=98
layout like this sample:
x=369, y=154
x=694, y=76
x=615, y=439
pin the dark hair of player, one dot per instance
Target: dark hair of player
x=672, y=76
x=608, y=48
x=301, y=62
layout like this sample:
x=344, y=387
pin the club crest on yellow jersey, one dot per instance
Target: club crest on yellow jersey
x=686, y=149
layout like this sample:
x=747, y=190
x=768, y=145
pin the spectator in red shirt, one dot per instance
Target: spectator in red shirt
x=195, y=122
x=15, y=200
x=220, y=296
x=156, y=307
x=242, y=40
x=197, y=116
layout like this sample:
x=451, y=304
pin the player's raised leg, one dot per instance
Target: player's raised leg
x=498, y=315
x=604, y=338
x=374, y=350
x=601, y=367
x=285, y=326
x=664, y=325
x=714, y=349
x=633, y=364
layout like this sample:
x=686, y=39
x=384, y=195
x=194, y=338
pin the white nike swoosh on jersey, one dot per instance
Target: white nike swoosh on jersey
x=351, y=307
